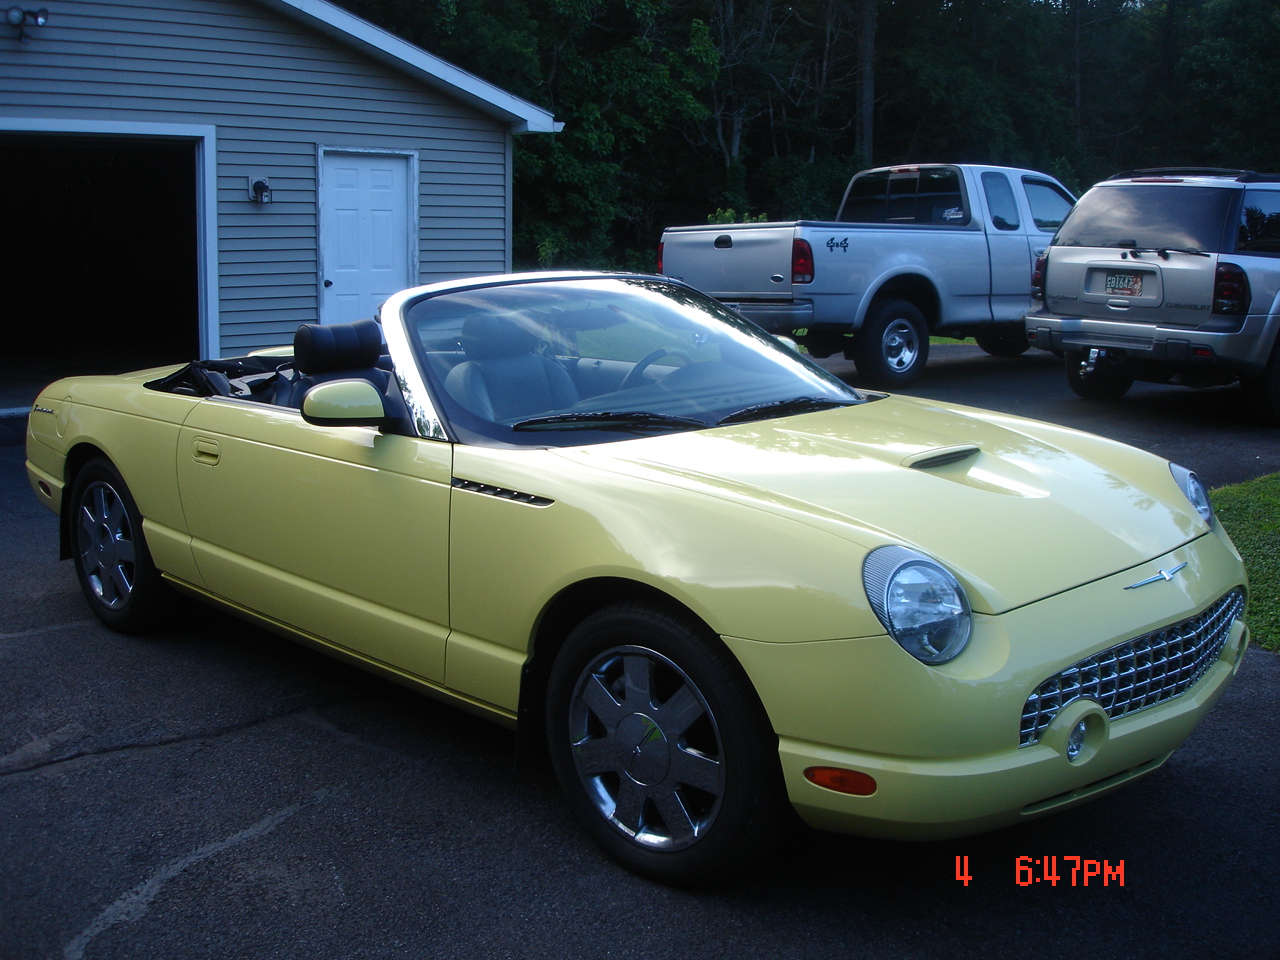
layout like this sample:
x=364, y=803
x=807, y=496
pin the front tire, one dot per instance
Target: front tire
x=891, y=348
x=113, y=564
x=661, y=746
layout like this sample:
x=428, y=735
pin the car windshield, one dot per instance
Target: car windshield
x=1148, y=216
x=561, y=362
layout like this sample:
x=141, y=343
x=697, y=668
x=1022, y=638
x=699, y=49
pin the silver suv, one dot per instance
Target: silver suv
x=1166, y=276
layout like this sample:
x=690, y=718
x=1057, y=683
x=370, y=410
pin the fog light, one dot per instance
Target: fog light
x=1075, y=740
x=842, y=781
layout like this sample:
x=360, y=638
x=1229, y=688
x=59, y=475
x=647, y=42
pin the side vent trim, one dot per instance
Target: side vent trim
x=502, y=493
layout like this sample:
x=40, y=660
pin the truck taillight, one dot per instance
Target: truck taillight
x=1230, y=290
x=660, y=246
x=1038, y=275
x=801, y=261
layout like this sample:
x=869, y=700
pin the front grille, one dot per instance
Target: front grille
x=1138, y=673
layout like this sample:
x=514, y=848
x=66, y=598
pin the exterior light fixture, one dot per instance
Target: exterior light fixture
x=17, y=17
x=259, y=190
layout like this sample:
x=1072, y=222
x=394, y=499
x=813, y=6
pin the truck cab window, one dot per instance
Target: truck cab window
x=1049, y=205
x=1000, y=201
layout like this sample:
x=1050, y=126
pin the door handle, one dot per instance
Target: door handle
x=205, y=451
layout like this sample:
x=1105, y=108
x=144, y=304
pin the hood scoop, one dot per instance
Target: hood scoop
x=940, y=456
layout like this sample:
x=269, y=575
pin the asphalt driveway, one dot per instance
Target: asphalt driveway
x=212, y=791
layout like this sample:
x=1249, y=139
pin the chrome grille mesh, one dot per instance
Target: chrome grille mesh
x=1138, y=673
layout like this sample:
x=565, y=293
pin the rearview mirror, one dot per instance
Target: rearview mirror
x=344, y=403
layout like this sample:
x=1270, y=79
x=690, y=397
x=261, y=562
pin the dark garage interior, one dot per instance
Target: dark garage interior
x=99, y=252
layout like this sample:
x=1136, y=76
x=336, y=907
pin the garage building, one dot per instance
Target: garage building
x=200, y=176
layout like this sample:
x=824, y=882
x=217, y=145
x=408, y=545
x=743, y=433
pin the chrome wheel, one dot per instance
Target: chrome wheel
x=900, y=346
x=646, y=748
x=105, y=540
x=113, y=565
x=661, y=745
x=892, y=346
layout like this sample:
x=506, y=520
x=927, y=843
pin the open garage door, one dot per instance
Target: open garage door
x=100, y=255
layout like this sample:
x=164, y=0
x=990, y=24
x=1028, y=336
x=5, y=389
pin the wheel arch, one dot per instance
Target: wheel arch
x=916, y=289
x=79, y=454
x=566, y=610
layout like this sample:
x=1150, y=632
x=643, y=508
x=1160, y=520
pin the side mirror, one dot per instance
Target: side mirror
x=344, y=403
x=789, y=344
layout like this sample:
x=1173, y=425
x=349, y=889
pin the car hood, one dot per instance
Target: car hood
x=1019, y=510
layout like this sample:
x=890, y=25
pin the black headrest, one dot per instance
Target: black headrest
x=337, y=346
x=488, y=337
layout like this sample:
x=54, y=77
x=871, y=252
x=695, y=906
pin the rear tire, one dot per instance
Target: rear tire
x=1003, y=344
x=1102, y=384
x=661, y=746
x=891, y=348
x=121, y=584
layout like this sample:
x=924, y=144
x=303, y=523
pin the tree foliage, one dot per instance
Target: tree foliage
x=675, y=110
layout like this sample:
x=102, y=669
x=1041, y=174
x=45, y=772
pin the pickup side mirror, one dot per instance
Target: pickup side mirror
x=789, y=344
x=344, y=403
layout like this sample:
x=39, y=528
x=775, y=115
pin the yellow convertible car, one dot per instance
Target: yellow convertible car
x=715, y=581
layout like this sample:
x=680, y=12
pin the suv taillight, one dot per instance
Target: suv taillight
x=660, y=246
x=1230, y=290
x=1038, y=275
x=801, y=261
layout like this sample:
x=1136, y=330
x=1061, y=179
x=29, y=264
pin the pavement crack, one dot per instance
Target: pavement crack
x=135, y=904
x=19, y=768
x=37, y=631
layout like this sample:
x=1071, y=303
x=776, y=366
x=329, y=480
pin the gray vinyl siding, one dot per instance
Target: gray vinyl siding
x=274, y=90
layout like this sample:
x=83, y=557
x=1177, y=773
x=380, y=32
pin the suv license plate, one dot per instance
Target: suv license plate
x=1124, y=284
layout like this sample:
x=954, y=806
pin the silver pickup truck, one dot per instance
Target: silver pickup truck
x=944, y=249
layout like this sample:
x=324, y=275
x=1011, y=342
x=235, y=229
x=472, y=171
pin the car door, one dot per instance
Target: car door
x=341, y=532
x=1007, y=239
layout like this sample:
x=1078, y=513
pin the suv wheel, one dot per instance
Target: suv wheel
x=1101, y=384
x=1003, y=344
x=1262, y=393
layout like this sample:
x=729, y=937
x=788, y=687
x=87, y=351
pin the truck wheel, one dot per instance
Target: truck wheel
x=891, y=348
x=1101, y=384
x=1003, y=344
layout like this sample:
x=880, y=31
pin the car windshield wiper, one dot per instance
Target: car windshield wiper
x=609, y=420
x=761, y=411
x=1162, y=252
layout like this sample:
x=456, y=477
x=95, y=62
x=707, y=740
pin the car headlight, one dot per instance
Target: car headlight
x=919, y=602
x=1194, y=490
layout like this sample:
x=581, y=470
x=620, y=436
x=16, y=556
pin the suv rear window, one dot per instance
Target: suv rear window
x=1148, y=215
x=1260, y=222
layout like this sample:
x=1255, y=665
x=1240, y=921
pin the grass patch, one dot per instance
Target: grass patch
x=1250, y=513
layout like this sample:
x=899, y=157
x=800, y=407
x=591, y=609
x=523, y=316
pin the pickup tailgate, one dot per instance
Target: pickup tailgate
x=738, y=261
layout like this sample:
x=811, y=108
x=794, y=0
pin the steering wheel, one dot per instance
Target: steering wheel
x=636, y=376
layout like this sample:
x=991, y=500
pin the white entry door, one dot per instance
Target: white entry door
x=367, y=241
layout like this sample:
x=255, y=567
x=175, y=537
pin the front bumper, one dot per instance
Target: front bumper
x=942, y=744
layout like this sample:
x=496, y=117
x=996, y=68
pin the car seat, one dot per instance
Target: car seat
x=502, y=377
